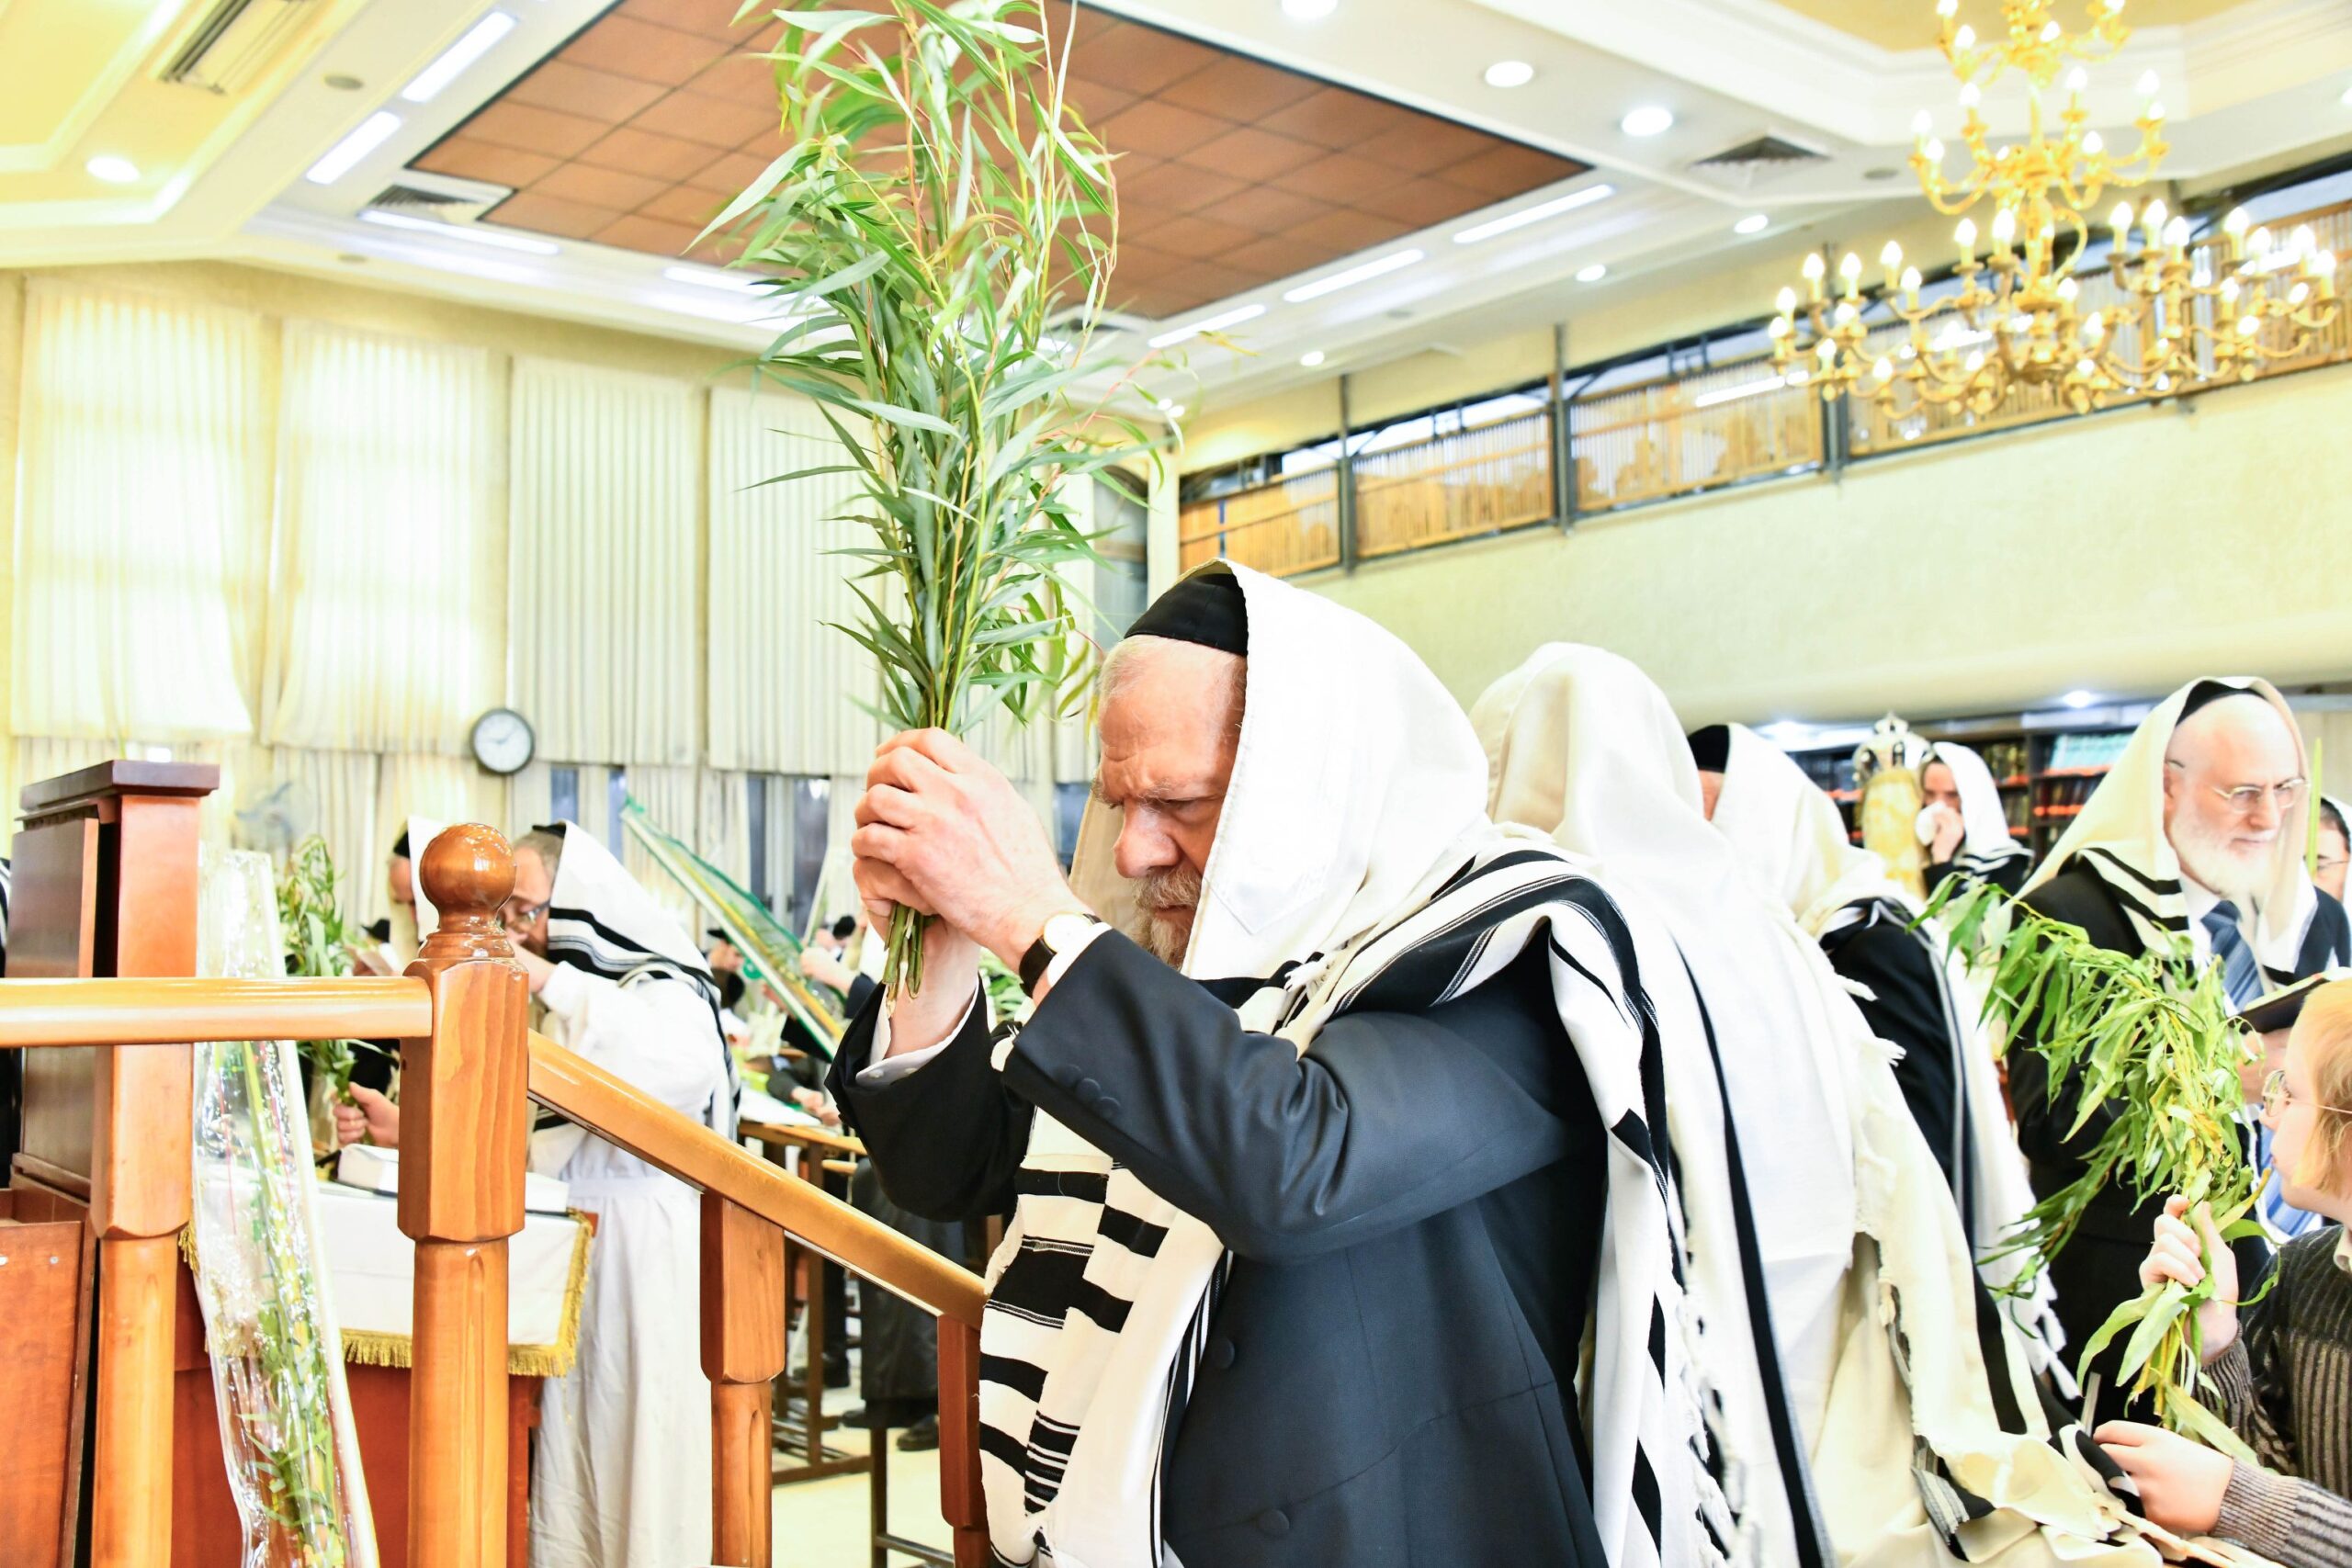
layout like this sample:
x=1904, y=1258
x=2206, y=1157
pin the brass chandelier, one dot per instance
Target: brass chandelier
x=2170, y=311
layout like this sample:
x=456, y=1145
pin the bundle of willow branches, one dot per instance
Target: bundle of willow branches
x=939, y=209
x=2148, y=1040
x=318, y=946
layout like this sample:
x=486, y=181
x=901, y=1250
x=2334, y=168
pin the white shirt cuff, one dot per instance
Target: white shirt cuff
x=881, y=1068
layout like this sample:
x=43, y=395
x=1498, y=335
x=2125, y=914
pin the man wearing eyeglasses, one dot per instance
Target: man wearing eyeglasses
x=2194, y=843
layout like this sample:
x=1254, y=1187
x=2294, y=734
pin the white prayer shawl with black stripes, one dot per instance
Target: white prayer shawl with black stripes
x=2120, y=838
x=1355, y=799
x=1986, y=840
x=1920, y=1418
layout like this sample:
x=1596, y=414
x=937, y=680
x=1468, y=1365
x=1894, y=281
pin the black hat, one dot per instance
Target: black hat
x=1711, y=748
x=845, y=928
x=400, y=846
x=1205, y=608
x=2205, y=693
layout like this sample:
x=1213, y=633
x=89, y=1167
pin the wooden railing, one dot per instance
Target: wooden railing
x=1679, y=435
x=469, y=1064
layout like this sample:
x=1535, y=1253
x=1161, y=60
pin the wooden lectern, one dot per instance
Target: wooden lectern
x=105, y=885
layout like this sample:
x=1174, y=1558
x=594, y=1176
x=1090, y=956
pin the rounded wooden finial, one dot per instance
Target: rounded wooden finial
x=468, y=872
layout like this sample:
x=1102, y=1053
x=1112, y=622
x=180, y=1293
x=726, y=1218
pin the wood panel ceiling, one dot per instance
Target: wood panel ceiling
x=1233, y=173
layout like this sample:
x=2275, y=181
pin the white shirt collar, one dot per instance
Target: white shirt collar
x=2344, y=1250
x=2199, y=901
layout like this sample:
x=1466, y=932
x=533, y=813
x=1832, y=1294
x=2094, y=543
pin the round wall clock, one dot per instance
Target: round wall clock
x=503, y=741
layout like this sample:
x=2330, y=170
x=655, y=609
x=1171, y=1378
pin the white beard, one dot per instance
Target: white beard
x=1176, y=888
x=2216, y=863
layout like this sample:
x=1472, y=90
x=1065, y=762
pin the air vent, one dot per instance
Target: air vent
x=1753, y=162
x=233, y=42
x=439, y=198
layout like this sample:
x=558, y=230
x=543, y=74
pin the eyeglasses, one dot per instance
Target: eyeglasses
x=2275, y=1098
x=514, y=916
x=2245, y=798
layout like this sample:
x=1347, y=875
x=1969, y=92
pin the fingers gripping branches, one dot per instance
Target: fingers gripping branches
x=938, y=238
x=2143, y=1046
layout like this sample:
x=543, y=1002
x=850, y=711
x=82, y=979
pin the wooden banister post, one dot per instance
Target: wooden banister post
x=743, y=1354
x=465, y=1132
x=960, y=1500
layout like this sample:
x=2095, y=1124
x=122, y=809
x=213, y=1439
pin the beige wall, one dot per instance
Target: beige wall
x=2123, y=553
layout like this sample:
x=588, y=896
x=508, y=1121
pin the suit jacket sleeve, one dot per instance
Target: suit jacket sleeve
x=946, y=1138
x=1389, y=1119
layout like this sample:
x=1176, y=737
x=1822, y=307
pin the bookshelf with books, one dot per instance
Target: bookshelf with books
x=2044, y=775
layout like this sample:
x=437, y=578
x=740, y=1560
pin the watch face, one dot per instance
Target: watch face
x=503, y=741
x=1062, y=932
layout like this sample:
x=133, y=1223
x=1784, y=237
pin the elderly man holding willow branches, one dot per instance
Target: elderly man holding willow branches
x=2197, y=835
x=1319, y=1179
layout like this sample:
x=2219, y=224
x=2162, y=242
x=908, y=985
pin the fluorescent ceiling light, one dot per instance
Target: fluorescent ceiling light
x=712, y=278
x=1351, y=276
x=1743, y=390
x=498, y=237
x=1754, y=223
x=1509, y=73
x=345, y=155
x=1215, y=324
x=1311, y=358
x=476, y=43
x=1647, y=120
x=1593, y=273
x=113, y=170
x=1535, y=214
x=1308, y=10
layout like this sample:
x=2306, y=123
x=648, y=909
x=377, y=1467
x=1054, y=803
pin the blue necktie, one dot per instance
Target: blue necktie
x=2241, y=978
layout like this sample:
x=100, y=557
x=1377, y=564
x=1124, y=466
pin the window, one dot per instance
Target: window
x=563, y=794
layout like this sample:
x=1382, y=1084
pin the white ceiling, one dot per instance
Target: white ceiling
x=2257, y=82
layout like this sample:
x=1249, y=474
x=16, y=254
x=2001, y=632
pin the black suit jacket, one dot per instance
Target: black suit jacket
x=1906, y=1007
x=2099, y=1267
x=1415, y=1207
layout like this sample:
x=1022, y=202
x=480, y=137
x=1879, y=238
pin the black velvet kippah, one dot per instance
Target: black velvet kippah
x=2205, y=693
x=1205, y=608
x=1711, y=748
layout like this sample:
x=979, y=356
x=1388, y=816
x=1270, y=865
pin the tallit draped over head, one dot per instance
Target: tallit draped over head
x=1793, y=839
x=1986, y=839
x=2119, y=839
x=1353, y=847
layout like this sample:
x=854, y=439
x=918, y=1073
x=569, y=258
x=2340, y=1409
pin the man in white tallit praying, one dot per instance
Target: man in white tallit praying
x=1913, y=993
x=620, y=1472
x=1926, y=1439
x=1340, y=1233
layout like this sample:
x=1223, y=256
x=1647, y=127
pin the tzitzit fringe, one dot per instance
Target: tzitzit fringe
x=373, y=1347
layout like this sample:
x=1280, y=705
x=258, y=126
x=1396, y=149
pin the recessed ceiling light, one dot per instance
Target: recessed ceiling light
x=1353, y=276
x=454, y=60
x=1535, y=214
x=2078, y=698
x=113, y=170
x=503, y=241
x=345, y=155
x=1215, y=324
x=1648, y=120
x=1311, y=358
x=1509, y=73
x=1593, y=273
x=1754, y=223
x=1308, y=10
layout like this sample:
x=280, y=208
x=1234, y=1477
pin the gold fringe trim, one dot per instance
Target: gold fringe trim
x=373, y=1347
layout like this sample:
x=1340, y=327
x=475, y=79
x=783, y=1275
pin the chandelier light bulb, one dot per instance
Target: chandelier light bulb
x=1891, y=256
x=1970, y=94
x=1883, y=369
x=2156, y=109
x=2249, y=326
x=1910, y=280
x=2005, y=226
x=1947, y=8
x=2115, y=7
x=1826, y=353
x=2323, y=263
x=1852, y=267
x=1934, y=150
x=1814, y=266
x=2303, y=241
x=2094, y=327
x=2068, y=288
x=2259, y=242
x=2152, y=216
x=2177, y=233
x=2052, y=32
x=1976, y=361
x=1846, y=312
x=1922, y=123
x=2120, y=221
x=2297, y=294
x=2235, y=223
x=1779, y=327
x=2084, y=367
x=2148, y=84
x=2229, y=291
x=1787, y=301
x=2094, y=144
x=1964, y=39
x=2078, y=79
